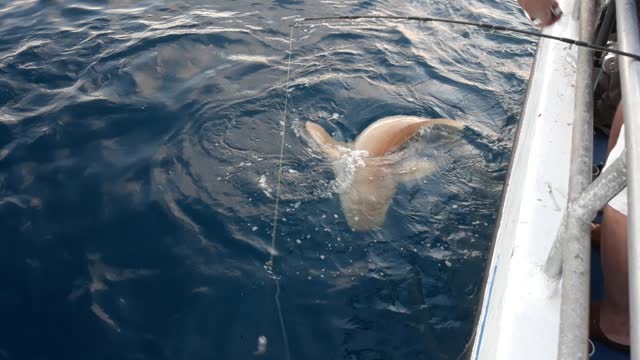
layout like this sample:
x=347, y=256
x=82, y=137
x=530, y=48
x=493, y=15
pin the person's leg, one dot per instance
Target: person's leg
x=616, y=125
x=614, y=310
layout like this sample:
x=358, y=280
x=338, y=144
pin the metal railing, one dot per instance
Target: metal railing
x=570, y=253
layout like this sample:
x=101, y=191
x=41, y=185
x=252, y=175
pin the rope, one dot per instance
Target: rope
x=298, y=22
x=277, y=206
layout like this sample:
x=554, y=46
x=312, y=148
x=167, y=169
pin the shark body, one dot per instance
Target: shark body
x=365, y=199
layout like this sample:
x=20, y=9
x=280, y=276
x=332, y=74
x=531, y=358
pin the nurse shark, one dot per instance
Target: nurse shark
x=370, y=188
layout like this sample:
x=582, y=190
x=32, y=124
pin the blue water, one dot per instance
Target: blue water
x=139, y=145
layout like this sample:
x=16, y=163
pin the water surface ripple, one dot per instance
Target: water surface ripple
x=139, y=144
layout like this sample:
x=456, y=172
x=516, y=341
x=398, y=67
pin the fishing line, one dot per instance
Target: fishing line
x=285, y=338
x=300, y=22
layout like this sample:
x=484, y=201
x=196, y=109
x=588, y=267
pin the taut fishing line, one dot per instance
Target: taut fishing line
x=309, y=20
x=285, y=338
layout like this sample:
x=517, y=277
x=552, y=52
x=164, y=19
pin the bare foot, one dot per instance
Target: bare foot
x=597, y=333
x=615, y=325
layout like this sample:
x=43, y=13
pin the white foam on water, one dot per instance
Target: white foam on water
x=262, y=183
x=345, y=167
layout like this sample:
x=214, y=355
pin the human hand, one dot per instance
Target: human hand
x=542, y=12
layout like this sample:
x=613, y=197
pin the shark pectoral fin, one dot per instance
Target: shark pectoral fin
x=415, y=170
x=328, y=144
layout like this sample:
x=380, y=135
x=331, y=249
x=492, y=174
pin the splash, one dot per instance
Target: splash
x=262, y=183
x=346, y=166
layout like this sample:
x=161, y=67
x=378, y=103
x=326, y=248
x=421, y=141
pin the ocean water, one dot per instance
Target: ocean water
x=139, y=154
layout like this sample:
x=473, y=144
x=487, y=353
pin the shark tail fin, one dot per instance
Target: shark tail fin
x=327, y=143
